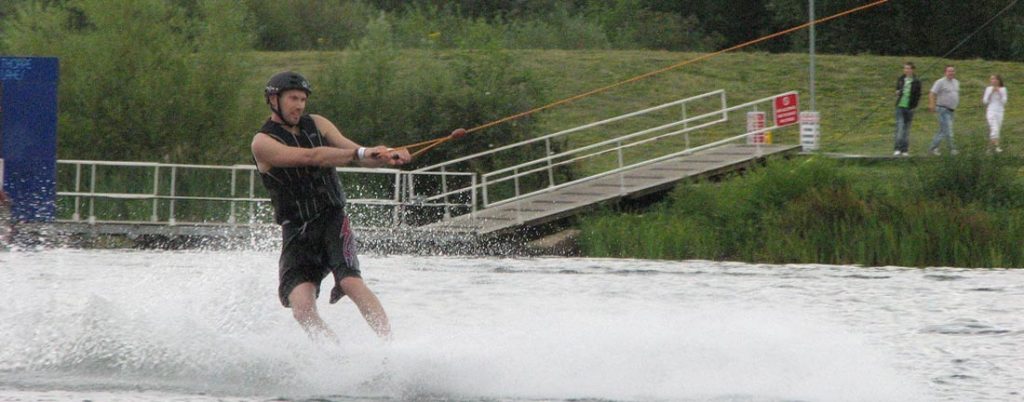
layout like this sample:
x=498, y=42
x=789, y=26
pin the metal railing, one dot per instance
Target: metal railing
x=391, y=196
x=84, y=185
x=614, y=148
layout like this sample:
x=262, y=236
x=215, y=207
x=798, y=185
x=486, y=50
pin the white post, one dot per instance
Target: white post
x=252, y=195
x=92, y=195
x=78, y=188
x=551, y=172
x=472, y=196
x=170, y=211
x=810, y=131
x=444, y=190
x=156, y=192
x=234, y=180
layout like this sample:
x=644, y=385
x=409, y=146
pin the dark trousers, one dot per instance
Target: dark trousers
x=903, y=119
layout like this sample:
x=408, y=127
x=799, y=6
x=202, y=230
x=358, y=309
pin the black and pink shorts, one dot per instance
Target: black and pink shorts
x=315, y=248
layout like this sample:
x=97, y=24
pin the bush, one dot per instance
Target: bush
x=964, y=214
x=308, y=24
x=140, y=77
x=561, y=29
x=974, y=176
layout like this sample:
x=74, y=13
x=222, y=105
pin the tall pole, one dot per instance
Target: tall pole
x=810, y=10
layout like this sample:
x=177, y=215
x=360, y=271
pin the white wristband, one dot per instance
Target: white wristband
x=361, y=153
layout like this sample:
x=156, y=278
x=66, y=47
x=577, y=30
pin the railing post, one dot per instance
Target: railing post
x=156, y=192
x=622, y=175
x=92, y=195
x=725, y=108
x=234, y=180
x=444, y=190
x=686, y=125
x=252, y=196
x=472, y=196
x=78, y=188
x=170, y=212
x=484, y=187
x=551, y=172
x=515, y=175
x=396, y=211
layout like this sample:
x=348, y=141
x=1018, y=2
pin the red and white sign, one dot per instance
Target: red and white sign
x=755, y=122
x=787, y=110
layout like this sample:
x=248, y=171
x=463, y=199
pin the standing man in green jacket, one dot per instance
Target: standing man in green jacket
x=908, y=94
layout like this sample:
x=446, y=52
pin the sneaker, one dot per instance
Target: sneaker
x=904, y=153
x=999, y=150
x=936, y=152
x=896, y=153
x=954, y=152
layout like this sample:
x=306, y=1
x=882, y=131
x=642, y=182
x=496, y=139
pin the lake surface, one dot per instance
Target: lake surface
x=206, y=325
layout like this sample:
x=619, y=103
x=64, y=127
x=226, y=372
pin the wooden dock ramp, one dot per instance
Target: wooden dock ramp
x=546, y=206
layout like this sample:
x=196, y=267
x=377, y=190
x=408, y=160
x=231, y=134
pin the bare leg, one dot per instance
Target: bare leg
x=303, y=303
x=368, y=305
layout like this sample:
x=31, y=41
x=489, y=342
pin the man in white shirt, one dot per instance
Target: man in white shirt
x=943, y=100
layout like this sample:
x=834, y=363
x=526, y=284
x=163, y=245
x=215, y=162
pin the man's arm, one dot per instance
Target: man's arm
x=270, y=153
x=373, y=156
x=332, y=133
x=931, y=101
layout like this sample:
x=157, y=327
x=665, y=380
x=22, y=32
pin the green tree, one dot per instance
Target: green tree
x=906, y=28
x=308, y=24
x=730, y=22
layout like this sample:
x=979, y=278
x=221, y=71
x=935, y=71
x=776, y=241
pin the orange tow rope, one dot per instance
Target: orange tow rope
x=421, y=147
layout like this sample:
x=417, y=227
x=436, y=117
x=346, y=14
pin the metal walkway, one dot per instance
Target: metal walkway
x=626, y=156
x=547, y=206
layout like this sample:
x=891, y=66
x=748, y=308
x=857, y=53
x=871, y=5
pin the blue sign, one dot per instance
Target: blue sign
x=28, y=135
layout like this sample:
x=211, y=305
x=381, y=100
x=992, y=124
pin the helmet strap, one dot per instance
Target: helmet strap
x=277, y=111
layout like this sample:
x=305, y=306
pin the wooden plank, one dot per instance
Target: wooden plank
x=551, y=201
x=675, y=169
x=645, y=177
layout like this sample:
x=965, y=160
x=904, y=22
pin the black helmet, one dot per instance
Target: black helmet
x=284, y=81
x=281, y=82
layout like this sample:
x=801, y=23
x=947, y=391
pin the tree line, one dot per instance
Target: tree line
x=911, y=28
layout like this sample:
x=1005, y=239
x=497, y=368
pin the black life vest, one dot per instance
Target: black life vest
x=299, y=194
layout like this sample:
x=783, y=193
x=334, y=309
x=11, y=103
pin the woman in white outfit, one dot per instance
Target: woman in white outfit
x=995, y=98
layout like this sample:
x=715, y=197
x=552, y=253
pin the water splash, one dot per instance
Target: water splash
x=201, y=323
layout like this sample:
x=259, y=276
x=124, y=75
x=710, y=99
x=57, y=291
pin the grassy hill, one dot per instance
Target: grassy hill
x=853, y=93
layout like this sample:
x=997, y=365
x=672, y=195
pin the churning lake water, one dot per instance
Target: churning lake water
x=206, y=325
